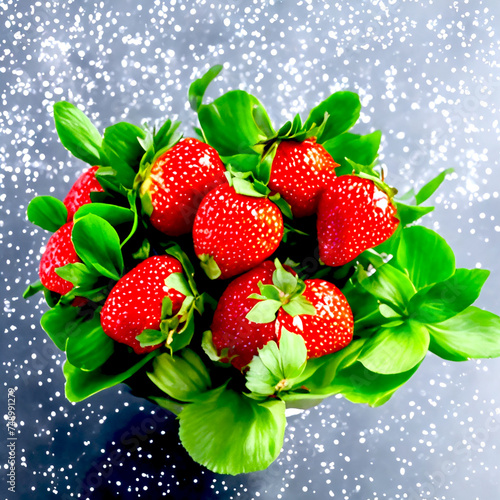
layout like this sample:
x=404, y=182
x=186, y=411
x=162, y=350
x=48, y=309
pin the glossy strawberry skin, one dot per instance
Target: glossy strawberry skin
x=79, y=194
x=178, y=181
x=353, y=215
x=328, y=331
x=58, y=252
x=231, y=329
x=331, y=328
x=300, y=172
x=238, y=231
x=134, y=304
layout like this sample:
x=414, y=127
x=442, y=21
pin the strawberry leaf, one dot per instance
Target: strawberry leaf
x=175, y=250
x=473, y=333
x=231, y=434
x=361, y=149
x=343, y=110
x=178, y=283
x=33, y=289
x=444, y=300
x=77, y=133
x=166, y=307
x=426, y=191
x=283, y=279
x=112, y=213
x=47, y=212
x=198, y=88
x=397, y=349
x=299, y=305
x=210, y=267
x=59, y=323
x=410, y=213
x=275, y=368
x=416, y=245
x=264, y=311
x=98, y=245
x=81, y=384
x=182, y=376
x=78, y=274
x=234, y=123
x=387, y=284
x=123, y=150
x=88, y=347
x=284, y=206
x=150, y=337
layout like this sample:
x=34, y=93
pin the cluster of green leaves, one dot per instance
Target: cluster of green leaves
x=406, y=295
x=101, y=231
x=238, y=126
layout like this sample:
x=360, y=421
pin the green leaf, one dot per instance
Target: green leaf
x=231, y=434
x=183, y=337
x=77, y=133
x=343, y=109
x=275, y=368
x=264, y=311
x=33, y=289
x=283, y=279
x=60, y=322
x=78, y=274
x=299, y=305
x=88, y=347
x=175, y=251
x=234, y=123
x=410, y=213
x=360, y=385
x=473, y=333
x=81, y=384
x=182, y=376
x=178, y=283
x=149, y=337
x=397, y=349
x=387, y=284
x=47, y=212
x=211, y=268
x=426, y=256
x=246, y=188
x=98, y=245
x=166, y=307
x=446, y=299
x=112, y=213
x=198, y=88
x=361, y=149
x=430, y=188
x=123, y=150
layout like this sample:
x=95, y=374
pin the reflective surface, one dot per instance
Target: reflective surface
x=428, y=78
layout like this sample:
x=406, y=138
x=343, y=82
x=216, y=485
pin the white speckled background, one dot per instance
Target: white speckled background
x=428, y=76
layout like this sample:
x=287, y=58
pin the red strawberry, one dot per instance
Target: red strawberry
x=234, y=231
x=79, y=194
x=59, y=252
x=331, y=328
x=300, y=171
x=354, y=214
x=177, y=182
x=135, y=302
x=238, y=338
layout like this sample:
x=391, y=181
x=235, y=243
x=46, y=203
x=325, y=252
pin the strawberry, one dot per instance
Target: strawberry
x=300, y=171
x=233, y=232
x=135, y=302
x=178, y=181
x=354, y=214
x=58, y=252
x=244, y=323
x=79, y=194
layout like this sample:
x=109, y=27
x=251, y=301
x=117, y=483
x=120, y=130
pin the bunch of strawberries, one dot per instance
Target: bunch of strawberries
x=231, y=204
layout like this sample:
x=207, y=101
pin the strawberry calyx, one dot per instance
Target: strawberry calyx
x=285, y=292
x=155, y=144
x=376, y=176
x=176, y=330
